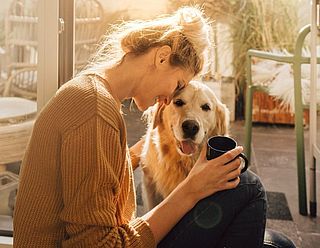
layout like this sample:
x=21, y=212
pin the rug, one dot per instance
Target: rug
x=277, y=207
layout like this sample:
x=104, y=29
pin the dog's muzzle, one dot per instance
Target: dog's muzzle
x=190, y=128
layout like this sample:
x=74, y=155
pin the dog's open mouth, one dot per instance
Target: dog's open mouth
x=187, y=147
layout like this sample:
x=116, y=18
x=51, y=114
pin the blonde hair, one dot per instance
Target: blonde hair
x=186, y=31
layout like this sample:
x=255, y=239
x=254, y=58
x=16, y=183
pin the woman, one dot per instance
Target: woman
x=76, y=187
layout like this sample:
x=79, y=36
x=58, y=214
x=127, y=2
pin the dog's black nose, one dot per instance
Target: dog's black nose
x=190, y=128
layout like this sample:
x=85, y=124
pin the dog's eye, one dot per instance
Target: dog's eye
x=205, y=107
x=179, y=102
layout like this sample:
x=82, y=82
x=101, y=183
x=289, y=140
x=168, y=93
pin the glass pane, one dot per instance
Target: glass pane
x=88, y=30
x=18, y=92
x=93, y=17
x=19, y=48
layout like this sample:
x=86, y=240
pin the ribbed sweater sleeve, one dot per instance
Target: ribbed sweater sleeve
x=92, y=167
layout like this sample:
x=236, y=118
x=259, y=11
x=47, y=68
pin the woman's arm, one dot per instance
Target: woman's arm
x=206, y=178
x=92, y=167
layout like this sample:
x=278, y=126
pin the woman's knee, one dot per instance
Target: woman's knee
x=253, y=185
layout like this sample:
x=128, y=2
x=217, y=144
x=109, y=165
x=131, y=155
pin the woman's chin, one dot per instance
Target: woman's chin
x=141, y=107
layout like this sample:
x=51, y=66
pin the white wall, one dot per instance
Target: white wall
x=225, y=50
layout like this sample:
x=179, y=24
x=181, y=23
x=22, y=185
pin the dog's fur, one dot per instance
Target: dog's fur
x=175, y=136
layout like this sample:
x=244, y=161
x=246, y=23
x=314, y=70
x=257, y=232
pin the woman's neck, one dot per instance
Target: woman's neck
x=126, y=79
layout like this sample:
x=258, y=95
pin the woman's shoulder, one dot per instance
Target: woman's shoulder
x=83, y=98
x=87, y=90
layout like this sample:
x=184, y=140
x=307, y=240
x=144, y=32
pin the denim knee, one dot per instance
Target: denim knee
x=253, y=185
x=241, y=210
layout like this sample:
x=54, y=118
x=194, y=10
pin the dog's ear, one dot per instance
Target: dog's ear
x=153, y=115
x=157, y=117
x=222, y=119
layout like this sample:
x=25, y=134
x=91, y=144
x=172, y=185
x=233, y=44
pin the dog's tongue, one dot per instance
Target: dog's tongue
x=188, y=147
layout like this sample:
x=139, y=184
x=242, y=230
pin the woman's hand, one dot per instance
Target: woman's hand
x=209, y=177
x=205, y=178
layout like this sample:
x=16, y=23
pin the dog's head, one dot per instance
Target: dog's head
x=193, y=115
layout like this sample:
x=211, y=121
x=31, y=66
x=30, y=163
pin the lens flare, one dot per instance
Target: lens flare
x=207, y=215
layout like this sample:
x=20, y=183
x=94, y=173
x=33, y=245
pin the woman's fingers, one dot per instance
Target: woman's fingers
x=218, y=174
x=230, y=155
x=232, y=184
x=233, y=174
x=233, y=165
x=203, y=153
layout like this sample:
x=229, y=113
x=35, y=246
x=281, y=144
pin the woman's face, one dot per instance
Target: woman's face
x=160, y=84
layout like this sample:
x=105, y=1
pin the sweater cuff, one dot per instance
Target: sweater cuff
x=146, y=238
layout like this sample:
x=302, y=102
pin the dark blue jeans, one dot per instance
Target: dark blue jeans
x=230, y=218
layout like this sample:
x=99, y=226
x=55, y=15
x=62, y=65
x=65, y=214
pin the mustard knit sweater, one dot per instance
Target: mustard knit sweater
x=76, y=185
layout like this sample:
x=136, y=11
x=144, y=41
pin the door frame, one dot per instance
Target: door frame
x=55, y=40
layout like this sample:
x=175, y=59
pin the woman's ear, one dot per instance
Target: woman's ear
x=162, y=55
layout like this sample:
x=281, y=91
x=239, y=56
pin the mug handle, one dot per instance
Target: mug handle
x=246, y=162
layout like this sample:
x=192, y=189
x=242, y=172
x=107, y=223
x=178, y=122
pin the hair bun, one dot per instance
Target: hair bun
x=194, y=26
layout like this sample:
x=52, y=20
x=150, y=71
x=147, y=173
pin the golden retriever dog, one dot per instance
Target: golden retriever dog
x=175, y=136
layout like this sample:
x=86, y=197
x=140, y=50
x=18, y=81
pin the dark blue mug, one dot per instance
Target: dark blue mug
x=218, y=145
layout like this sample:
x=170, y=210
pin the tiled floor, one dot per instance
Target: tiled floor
x=273, y=158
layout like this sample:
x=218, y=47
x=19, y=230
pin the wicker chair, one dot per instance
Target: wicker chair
x=21, y=32
x=20, y=50
x=21, y=42
x=22, y=83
